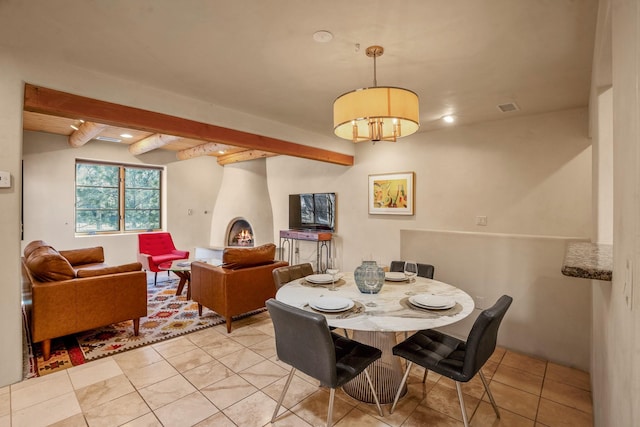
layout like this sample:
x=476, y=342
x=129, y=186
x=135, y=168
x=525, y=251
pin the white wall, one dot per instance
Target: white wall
x=616, y=318
x=528, y=175
x=11, y=94
x=49, y=195
x=550, y=316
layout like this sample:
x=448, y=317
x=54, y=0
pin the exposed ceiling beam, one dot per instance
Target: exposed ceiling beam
x=200, y=150
x=243, y=156
x=48, y=101
x=151, y=143
x=85, y=133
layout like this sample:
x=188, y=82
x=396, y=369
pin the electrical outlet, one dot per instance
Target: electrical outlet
x=479, y=302
x=481, y=220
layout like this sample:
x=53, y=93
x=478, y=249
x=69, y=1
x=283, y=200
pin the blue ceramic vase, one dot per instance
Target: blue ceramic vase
x=358, y=274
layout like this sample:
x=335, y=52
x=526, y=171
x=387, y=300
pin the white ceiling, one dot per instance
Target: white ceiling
x=462, y=57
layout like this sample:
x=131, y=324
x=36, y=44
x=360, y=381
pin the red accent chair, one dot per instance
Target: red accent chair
x=155, y=249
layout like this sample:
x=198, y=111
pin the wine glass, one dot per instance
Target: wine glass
x=333, y=268
x=371, y=283
x=410, y=272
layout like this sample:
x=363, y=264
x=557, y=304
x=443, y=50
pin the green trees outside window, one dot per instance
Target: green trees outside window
x=115, y=198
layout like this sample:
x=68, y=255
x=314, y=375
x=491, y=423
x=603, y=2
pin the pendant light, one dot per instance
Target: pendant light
x=378, y=113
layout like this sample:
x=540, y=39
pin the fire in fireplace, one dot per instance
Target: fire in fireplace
x=240, y=233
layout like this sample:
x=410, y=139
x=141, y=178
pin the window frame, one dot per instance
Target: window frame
x=122, y=187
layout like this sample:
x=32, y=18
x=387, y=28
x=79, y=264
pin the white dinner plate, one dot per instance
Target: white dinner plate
x=331, y=304
x=395, y=276
x=432, y=302
x=321, y=278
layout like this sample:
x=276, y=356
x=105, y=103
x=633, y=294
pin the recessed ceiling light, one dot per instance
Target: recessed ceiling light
x=126, y=135
x=448, y=118
x=322, y=36
x=74, y=127
x=221, y=152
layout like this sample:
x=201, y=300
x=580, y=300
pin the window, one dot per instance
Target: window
x=113, y=198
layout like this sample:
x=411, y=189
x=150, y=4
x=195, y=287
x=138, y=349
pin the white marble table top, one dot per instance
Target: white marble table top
x=392, y=313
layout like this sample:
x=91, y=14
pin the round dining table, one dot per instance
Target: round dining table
x=375, y=319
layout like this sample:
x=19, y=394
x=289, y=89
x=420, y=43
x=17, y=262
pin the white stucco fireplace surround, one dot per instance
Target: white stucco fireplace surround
x=243, y=194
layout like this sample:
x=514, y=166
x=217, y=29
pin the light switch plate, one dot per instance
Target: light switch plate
x=5, y=179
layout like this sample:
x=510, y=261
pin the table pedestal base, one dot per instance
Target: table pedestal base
x=386, y=372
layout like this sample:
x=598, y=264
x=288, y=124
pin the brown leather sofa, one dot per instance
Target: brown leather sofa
x=244, y=281
x=74, y=290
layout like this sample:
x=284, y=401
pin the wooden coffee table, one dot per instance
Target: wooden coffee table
x=182, y=269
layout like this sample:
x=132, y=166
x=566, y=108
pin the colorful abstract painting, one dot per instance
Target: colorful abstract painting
x=392, y=193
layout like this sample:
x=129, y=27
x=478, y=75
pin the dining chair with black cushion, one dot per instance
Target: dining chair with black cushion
x=304, y=341
x=283, y=275
x=286, y=274
x=424, y=270
x=454, y=358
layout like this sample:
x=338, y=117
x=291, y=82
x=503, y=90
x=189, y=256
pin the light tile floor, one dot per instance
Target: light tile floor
x=211, y=378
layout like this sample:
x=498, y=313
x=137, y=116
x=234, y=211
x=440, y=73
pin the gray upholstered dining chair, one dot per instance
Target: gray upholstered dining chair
x=424, y=270
x=454, y=358
x=282, y=275
x=304, y=341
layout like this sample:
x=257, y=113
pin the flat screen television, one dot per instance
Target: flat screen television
x=312, y=211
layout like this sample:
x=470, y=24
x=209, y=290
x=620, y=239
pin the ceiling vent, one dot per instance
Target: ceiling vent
x=108, y=139
x=509, y=107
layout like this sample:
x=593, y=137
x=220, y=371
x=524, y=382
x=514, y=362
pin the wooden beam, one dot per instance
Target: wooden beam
x=48, y=101
x=85, y=133
x=151, y=143
x=243, y=156
x=201, y=150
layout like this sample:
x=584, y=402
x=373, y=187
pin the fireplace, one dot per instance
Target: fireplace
x=240, y=233
x=244, y=194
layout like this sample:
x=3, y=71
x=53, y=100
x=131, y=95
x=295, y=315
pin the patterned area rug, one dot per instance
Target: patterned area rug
x=168, y=316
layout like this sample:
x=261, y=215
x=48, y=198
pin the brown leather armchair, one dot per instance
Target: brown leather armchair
x=243, y=283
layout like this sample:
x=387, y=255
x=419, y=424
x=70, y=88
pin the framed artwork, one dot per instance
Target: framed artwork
x=392, y=193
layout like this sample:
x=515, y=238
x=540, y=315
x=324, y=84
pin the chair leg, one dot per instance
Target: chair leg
x=424, y=377
x=404, y=380
x=462, y=408
x=486, y=387
x=332, y=395
x=373, y=390
x=284, y=391
x=155, y=279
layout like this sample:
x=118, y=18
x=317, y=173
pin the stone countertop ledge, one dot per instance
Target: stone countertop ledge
x=588, y=261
